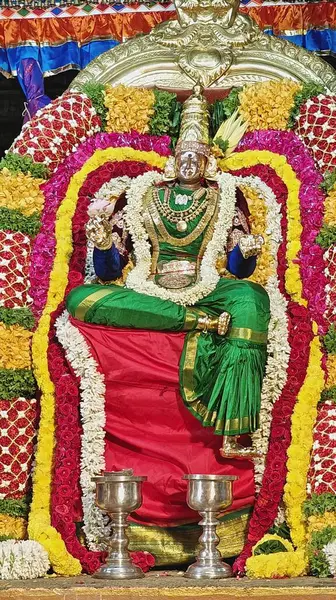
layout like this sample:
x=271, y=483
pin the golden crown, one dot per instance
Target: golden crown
x=194, y=130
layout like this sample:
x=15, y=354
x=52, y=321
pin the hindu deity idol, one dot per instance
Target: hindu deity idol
x=188, y=251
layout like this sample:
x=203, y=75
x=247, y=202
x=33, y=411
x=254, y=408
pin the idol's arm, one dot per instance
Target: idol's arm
x=239, y=266
x=242, y=247
x=108, y=264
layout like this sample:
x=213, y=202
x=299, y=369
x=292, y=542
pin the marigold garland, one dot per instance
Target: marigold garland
x=281, y=564
x=15, y=347
x=21, y=192
x=330, y=207
x=268, y=105
x=319, y=522
x=129, y=109
x=331, y=370
x=14, y=527
x=39, y=521
x=303, y=420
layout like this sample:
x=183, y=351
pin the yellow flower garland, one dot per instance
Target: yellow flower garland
x=331, y=370
x=13, y=527
x=250, y=158
x=39, y=519
x=15, y=347
x=21, y=192
x=129, y=108
x=303, y=419
x=268, y=104
x=280, y=564
x=319, y=522
x=258, y=209
x=330, y=208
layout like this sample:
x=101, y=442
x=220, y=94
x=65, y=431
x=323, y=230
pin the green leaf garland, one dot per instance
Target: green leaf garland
x=16, y=163
x=318, y=562
x=327, y=236
x=270, y=547
x=16, y=382
x=96, y=93
x=329, y=181
x=15, y=508
x=329, y=340
x=15, y=221
x=17, y=316
x=318, y=504
x=328, y=395
x=167, y=115
x=308, y=90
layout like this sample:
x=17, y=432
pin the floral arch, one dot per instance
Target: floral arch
x=90, y=144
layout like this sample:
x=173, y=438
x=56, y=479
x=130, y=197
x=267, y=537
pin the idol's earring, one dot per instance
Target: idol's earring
x=169, y=170
x=211, y=169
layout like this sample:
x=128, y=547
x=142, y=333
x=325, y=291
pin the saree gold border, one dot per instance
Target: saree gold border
x=87, y=303
x=244, y=333
x=189, y=365
x=176, y=545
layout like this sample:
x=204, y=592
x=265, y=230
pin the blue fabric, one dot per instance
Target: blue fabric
x=52, y=59
x=239, y=266
x=317, y=40
x=71, y=55
x=108, y=264
x=31, y=80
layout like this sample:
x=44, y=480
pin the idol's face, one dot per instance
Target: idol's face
x=190, y=166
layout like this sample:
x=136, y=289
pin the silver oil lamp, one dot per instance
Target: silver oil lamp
x=119, y=494
x=209, y=495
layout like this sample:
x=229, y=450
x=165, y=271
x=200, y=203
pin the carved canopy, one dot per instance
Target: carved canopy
x=211, y=43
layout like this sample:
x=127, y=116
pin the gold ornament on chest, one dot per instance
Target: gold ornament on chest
x=179, y=217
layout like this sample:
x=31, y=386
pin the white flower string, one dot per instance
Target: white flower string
x=330, y=554
x=278, y=349
x=92, y=410
x=23, y=560
x=138, y=278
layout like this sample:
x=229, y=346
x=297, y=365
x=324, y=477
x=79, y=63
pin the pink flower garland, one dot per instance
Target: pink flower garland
x=54, y=191
x=300, y=334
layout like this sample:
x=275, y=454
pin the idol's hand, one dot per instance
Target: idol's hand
x=99, y=231
x=250, y=245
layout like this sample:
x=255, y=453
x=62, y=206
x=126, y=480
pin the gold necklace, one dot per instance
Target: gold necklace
x=180, y=217
x=152, y=214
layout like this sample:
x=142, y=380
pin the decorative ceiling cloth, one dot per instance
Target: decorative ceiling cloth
x=69, y=37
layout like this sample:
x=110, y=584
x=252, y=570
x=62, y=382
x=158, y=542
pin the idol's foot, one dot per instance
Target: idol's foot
x=231, y=449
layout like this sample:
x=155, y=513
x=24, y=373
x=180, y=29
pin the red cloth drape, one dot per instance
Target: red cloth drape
x=148, y=427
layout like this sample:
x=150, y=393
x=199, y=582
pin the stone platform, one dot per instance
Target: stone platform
x=162, y=585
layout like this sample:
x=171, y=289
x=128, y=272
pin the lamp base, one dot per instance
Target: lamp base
x=209, y=570
x=119, y=571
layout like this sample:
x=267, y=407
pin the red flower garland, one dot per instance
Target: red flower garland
x=300, y=335
x=66, y=493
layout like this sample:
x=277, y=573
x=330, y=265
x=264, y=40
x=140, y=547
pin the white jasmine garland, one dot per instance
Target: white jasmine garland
x=330, y=554
x=23, y=560
x=92, y=410
x=138, y=278
x=278, y=349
